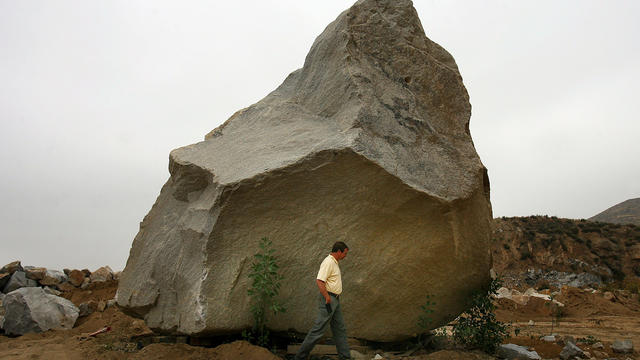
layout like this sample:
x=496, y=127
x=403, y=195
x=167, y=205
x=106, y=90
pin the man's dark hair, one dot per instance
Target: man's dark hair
x=339, y=246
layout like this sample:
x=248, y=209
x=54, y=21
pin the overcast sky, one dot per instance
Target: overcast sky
x=94, y=95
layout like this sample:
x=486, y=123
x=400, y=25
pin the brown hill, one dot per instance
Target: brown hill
x=541, y=248
x=627, y=212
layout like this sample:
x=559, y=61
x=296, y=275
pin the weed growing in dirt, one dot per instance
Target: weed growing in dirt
x=478, y=327
x=264, y=289
x=589, y=340
x=424, y=321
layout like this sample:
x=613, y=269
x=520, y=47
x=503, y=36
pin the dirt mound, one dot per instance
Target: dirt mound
x=235, y=350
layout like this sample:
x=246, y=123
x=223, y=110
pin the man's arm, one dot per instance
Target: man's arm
x=323, y=290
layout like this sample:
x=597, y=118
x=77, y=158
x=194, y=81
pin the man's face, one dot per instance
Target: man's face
x=342, y=254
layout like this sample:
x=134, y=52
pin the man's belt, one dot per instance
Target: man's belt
x=334, y=295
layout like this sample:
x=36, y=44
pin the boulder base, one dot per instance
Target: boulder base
x=368, y=143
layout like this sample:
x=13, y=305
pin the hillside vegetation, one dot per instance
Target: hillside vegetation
x=523, y=246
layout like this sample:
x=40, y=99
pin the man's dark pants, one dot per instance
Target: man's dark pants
x=335, y=320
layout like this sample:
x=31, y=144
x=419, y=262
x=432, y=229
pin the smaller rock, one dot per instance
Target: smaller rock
x=101, y=305
x=608, y=295
x=76, y=277
x=570, y=351
x=4, y=279
x=513, y=351
x=101, y=275
x=531, y=323
x=1, y=307
x=35, y=273
x=548, y=338
x=622, y=346
x=87, y=308
x=12, y=267
x=52, y=291
x=85, y=283
x=111, y=303
x=357, y=356
x=597, y=346
x=600, y=354
x=567, y=339
x=53, y=277
x=18, y=280
x=378, y=357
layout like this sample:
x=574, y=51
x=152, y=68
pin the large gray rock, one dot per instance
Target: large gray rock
x=368, y=143
x=513, y=351
x=32, y=310
x=18, y=280
x=622, y=346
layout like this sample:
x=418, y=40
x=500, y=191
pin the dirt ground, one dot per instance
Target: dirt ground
x=586, y=316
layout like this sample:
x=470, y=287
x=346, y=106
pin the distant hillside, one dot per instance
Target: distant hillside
x=546, y=244
x=627, y=212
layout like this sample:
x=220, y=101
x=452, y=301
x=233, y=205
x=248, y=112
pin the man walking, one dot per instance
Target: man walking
x=329, y=281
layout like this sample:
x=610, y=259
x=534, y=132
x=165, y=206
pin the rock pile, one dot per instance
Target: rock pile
x=29, y=300
x=368, y=143
x=570, y=350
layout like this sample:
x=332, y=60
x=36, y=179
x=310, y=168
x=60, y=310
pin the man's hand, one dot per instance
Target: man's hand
x=323, y=290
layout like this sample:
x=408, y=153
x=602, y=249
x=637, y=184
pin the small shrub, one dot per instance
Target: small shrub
x=631, y=285
x=543, y=284
x=589, y=244
x=424, y=320
x=477, y=327
x=563, y=245
x=264, y=289
x=526, y=254
x=589, y=340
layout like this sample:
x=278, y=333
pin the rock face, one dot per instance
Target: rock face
x=32, y=310
x=368, y=143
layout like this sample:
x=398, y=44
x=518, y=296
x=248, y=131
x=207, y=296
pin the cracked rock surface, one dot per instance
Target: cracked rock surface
x=367, y=143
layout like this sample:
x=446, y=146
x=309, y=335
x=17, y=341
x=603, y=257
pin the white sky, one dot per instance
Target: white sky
x=94, y=95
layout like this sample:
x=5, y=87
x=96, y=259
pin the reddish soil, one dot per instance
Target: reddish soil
x=585, y=315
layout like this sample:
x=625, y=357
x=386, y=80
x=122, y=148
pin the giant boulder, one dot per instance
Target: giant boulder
x=368, y=143
x=33, y=310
